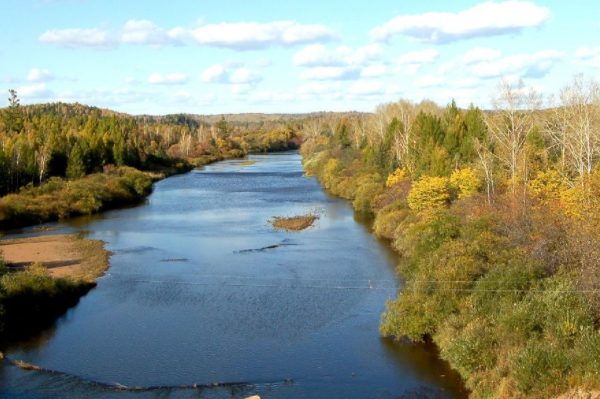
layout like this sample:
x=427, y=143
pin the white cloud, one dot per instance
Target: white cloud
x=428, y=81
x=366, y=87
x=330, y=73
x=263, y=62
x=182, y=94
x=412, y=61
x=488, y=64
x=420, y=57
x=145, y=32
x=318, y=55
x=465, y=83
x=40, y=75
x=535, y=65
x=372, y=71
x=411, y=69
x=365, y=54
x=483, y=20
x=394, y=90
x=589, y=56
x=131, y=80
x=239, y=36
x=245, y=75
x=215, y=74
x=269, y=97
x=79, y=38
x=254, y=35
x=38, y=91
x=319, y=88
x=239, y=89
x=480, y=54
x=463, y=97
x=105, y=97
x=170, y=79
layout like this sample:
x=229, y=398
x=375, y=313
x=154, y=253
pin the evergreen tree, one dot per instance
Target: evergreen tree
x=75, y=165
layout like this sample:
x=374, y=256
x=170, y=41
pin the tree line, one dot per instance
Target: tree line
x=72, y=140
x=495, y=215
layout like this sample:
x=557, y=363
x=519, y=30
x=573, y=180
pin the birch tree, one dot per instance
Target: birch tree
x=575, y=126
x=510, y=122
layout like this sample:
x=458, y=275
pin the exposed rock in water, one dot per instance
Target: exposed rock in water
x=294, y=223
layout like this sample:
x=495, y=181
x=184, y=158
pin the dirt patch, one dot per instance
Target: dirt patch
x=64, y=255
x=294, y=223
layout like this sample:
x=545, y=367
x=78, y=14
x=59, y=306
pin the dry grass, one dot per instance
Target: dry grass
x=294, y=223
x=96, y=258
x=26, y=366
x=580, y=394
x=246, y=163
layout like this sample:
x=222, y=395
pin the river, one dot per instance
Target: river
x=193, y=296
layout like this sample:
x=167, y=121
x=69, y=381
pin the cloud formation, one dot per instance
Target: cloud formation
x=79, y=38
x=486, y=63
x=215, y=74
x=170, y=79
x=412, y=61
x=237, y=36
x=40, y=75
x=483, y=20
x=318, y=55
x=331, y=73
x=39, y=91
x=219, y=73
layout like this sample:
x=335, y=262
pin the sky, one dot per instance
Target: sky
x=236, y=56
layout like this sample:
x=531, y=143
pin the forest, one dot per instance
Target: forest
x=59, y=160
x=495, y=216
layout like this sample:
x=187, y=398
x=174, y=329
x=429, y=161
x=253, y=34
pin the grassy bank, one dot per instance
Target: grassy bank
x=505, y=283
x=32, y=299
x=59, y=198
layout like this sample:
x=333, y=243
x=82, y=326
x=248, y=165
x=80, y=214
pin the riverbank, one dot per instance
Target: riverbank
x=505, y=285
x=64, y=255
x=44, y=276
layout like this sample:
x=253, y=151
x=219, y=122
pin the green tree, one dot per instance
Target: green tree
x=13, y=117
x=75, y=165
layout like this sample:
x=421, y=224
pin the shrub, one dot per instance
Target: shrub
x=397, y=177
x=548, y=185
x=465, y=182
x=429, y=193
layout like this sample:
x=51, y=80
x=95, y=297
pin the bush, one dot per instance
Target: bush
x=429, y=193
x=33, y=299
x=58, y=198
x=465, y=182
x=389, y=219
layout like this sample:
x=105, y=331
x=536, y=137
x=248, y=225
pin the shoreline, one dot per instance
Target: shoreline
x=63, y=255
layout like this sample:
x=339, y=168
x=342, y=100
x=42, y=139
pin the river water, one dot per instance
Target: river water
x=194, y=296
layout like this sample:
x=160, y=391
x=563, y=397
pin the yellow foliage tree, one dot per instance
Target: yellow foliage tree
x=465, y=181
x=429, y=193
x=396, y=177
x=582, y=201
x=330, y=171
x=548, y=185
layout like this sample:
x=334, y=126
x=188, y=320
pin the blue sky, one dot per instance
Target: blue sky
x=232, y=56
